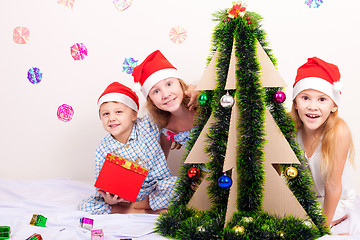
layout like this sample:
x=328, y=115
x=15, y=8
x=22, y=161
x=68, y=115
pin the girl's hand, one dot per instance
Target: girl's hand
x=193, y=94
x=111, y=199
x=336, y=222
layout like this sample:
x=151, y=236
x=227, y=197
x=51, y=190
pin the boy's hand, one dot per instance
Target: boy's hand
x=193, y=94
x=112, y=199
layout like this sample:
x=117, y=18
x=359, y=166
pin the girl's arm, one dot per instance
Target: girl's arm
x=333, y=185
x=165, y=145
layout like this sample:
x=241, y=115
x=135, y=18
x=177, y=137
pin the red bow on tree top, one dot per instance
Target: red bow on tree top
x=238, y=8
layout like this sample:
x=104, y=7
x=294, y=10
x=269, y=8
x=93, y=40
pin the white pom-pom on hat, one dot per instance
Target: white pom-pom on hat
x=136, y=87
x=338, y=86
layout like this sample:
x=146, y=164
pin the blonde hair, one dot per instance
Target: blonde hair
x=162, y=117
x=329, y=141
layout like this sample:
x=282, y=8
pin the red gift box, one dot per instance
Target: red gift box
x=121, y=177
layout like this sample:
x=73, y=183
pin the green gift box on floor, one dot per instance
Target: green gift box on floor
x=38, y=220
x=4, y=232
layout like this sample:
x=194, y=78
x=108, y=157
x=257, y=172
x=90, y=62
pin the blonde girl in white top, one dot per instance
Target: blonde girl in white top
x=326, y=141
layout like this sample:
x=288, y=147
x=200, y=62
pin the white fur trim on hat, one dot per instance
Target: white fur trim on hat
x=317, y=84
x=118, y=97
x=157, y=77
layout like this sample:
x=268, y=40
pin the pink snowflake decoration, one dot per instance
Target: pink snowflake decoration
x=78, y=51
x=67, y=3
x=65, y=113
x=122, y=5
x=177, y=34
x=21, y=35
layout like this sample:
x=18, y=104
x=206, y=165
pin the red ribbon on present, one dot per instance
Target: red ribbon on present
x=170, y=135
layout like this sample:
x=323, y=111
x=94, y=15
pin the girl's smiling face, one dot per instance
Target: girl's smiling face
x=314, y=108
x=167, y=94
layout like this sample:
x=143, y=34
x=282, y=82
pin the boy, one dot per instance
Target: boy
x=134, y=139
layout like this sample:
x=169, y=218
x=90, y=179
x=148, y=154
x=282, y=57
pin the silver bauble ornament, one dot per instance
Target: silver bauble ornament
x=227, y=101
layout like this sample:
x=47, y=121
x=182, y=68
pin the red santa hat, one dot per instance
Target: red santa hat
x=152, y=70
x=318, y=75
x=117, y=92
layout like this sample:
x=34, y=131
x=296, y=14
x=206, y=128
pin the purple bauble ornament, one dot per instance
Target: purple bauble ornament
x=279, y=97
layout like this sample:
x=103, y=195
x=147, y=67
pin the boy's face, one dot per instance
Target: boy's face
x=117, y=119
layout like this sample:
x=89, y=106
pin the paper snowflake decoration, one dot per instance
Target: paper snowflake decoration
x=67, y=3
x=122, y=5
x=21, y=35
x=34, y=75
x=313, y=3
x=129, y=64
x=177, y=34
x=78, y=51
x=65, y=112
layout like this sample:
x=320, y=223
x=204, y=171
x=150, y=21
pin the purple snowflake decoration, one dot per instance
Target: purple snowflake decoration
x=313, y=3
x=34, y=75
x=129, y=64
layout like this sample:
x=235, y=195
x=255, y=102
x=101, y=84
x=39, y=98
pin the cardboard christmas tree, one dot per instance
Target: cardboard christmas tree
x=256, y=185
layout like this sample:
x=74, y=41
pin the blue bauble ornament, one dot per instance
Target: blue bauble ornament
x=225, y=181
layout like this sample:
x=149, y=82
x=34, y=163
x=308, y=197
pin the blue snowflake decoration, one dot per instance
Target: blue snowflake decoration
x=129, y=64
x=34, y=75
x=313, y=3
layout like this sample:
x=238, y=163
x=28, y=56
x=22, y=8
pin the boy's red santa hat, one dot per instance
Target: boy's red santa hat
x=152, y=70
x=318, y=75
x=117, y=92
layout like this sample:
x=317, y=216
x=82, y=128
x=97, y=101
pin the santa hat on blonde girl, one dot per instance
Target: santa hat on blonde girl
x=117, y=92
x=318, y=75
x=152, y=70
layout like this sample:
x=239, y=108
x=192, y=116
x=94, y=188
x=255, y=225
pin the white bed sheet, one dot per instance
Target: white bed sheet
x=57, y=200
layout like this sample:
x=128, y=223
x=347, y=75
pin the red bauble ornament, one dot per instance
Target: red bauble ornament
x=193, y=173
x=247, y=18
x=249, y=22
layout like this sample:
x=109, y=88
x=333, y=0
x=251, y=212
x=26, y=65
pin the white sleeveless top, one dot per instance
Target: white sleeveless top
x=348, y=193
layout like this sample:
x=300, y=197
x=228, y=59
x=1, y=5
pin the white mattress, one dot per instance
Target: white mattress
x=57, y=200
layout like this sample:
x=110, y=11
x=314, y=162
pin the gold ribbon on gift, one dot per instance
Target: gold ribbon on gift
x=126, y=164
x=33, y=219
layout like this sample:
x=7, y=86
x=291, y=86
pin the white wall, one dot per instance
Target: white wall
x=35, y=144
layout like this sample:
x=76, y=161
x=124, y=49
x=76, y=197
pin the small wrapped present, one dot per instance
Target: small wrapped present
x=97, y=234
x=38, y=220
x=121, y=177
x=4, y=232
x=86, y=223
x=35, y=236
